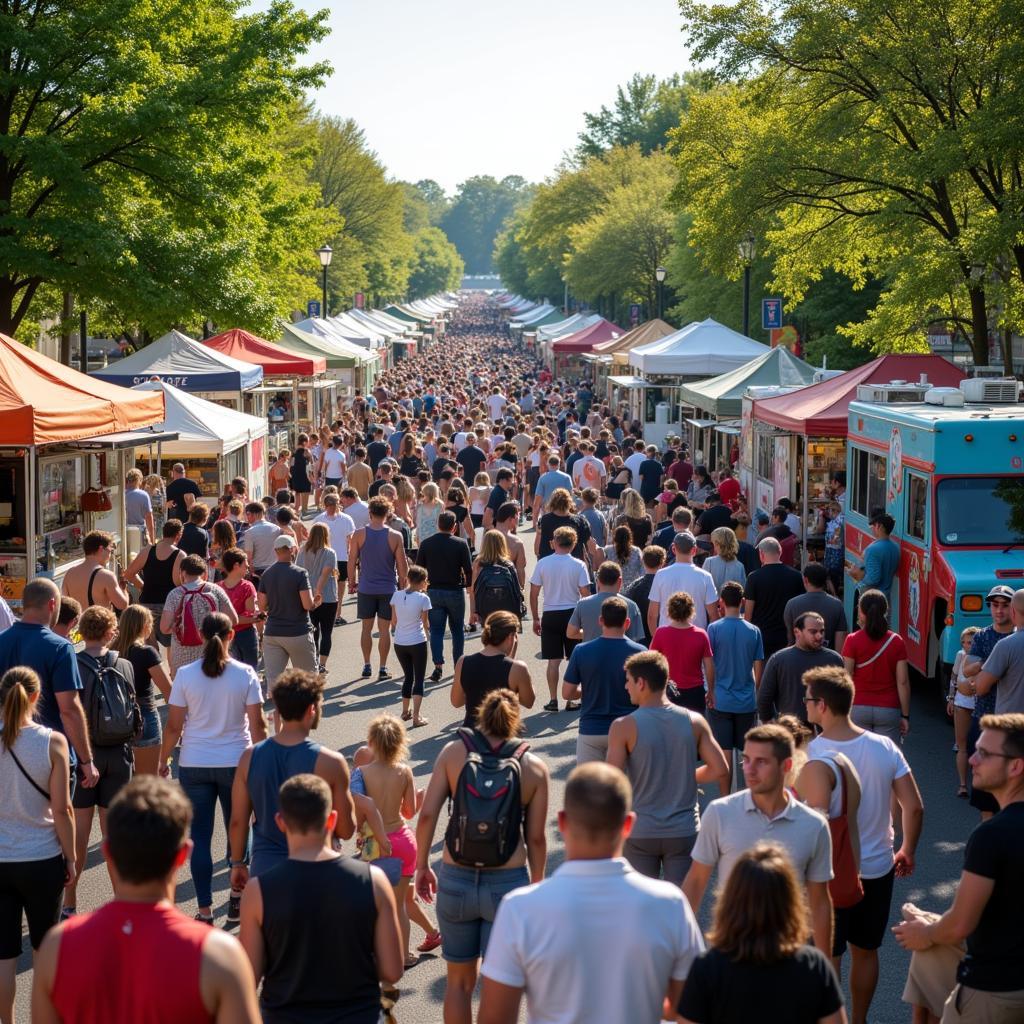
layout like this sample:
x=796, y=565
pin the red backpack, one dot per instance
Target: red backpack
x=187, y=623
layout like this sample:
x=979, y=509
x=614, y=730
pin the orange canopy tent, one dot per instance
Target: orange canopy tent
x=274, y=359
x=44, y=402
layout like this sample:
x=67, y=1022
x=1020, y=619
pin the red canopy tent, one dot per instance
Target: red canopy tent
x=821, y=410
x=585, y=340
x=275, y=360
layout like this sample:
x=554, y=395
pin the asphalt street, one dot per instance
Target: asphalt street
x=351, y=702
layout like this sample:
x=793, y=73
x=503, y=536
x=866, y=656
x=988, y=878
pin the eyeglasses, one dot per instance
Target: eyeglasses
x=812, y=700
x=983, y=754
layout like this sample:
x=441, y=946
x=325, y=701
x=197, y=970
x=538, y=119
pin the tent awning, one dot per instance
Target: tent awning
x=275, y=360
x=628, y=382
x=701, y=424
x=127, y=439
x=732, y=427
x=700, y=349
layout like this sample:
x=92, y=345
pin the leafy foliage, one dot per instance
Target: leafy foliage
x=477, y=213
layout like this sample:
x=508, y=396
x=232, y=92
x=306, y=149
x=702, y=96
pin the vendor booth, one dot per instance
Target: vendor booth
x=791, y=444
x=613, y=356
x=186, y=364
x=215, y=444
x=717, y=403
x=350, y=365
x=66, y=441
x=568, y=350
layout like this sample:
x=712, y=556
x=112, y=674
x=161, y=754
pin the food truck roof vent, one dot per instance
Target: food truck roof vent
x=990, y=390
x=949, y=397
x=896, y=391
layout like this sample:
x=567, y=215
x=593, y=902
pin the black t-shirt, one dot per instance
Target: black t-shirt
x=374, y=489
x=497, y=498
x=447, y=561
x=195, y=541
x=472, y=460
x=714, y=517
x=440, y=465
x=650, y=471
x=770, y=588
x=176, y=491
x=143, y=658
x=995, y=949
x=375, y=451
x=801, y=989
x=549, y=522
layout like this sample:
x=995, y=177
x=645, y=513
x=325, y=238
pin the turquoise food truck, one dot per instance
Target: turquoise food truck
x=948, y=465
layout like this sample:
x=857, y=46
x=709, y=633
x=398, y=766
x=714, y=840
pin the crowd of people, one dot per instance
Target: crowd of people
x=731, y=724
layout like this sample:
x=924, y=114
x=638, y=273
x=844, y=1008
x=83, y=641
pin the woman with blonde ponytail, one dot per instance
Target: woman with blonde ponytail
x=37, y=830
x=216, y=709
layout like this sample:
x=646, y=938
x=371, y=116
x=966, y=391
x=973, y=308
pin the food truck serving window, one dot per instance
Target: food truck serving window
x=981, y=510
x=868, y=482
x=917, y=506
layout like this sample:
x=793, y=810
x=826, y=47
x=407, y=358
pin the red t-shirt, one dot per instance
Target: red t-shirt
x=239, y=596
x=131, y=962
x=685, y=650
x=729, y=490
x=875, y=683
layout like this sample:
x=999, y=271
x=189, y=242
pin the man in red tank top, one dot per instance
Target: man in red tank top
x=138, y=958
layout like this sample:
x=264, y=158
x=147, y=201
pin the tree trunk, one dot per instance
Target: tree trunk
x=67, y=312
x=979, y=326
x=1006, y=343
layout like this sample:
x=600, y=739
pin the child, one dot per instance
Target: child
x=409, y=628
x=389, y=783
x=960, y=706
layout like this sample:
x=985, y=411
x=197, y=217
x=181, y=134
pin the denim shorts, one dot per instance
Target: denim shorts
x=467, y=901
x=152, y=731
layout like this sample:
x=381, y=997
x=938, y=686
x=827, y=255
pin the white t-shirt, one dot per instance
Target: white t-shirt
x=588, y=472
x=334, y=463
x=551, y=939
x=341, y=527
x=459, y=441
x=560, y=577
x=633, y=464
x=696, y=582
x=879, y=762
x=496, y=406
x=216, y=725
x=359, y=513
x=409, y=608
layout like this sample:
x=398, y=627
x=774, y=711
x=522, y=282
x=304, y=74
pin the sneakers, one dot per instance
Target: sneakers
x=435, y=676
x=552, y=705
x=572, y=705
x=67, y=912
x=432, y=941
x=204, y=919
x=383, y=673
x=234, y=907
x=367, y=670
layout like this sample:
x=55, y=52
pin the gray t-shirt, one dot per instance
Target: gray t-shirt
x=586, y=614
x=828, y=607
x=1006, y=663
x=136, y=505
x=283, y=583
x=314, y=563
x=782, y=689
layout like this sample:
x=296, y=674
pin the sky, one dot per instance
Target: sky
x=448, y=89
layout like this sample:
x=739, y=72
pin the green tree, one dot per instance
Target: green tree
x=134, y=165
x=436, y=264
x=435, y=198
x=478, y=212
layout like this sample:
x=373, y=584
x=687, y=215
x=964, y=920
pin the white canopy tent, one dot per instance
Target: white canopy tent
x=701, y=349
x=532, y=316
x=574, y=323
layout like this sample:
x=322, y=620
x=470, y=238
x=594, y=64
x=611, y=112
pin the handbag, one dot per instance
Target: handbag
x=96, y=499
x=846, y=888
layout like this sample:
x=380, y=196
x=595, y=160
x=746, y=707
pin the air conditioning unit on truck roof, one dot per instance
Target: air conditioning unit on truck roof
x=990, y=390
x=895, y=391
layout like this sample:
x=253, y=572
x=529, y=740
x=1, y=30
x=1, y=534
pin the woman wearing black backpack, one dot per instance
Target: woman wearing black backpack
x=473, y=878
x=495, y=584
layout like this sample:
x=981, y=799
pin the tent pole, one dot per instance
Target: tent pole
x=806, y=483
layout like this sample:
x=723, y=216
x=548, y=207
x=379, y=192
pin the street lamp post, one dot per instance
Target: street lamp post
x=659, y=275
x=748, y=250
x=325, y=252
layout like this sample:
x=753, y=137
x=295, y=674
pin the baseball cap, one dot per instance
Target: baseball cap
x=1000, y=590
x=685, y=541
x=286, y=540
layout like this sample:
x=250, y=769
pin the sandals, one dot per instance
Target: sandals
x=420, y=721
x=406, y=715
x=962, y=793
x=552, y=705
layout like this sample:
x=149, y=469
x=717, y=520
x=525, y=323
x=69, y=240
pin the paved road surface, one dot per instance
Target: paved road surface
x=352, y=702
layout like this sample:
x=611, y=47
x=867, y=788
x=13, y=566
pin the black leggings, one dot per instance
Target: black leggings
x=323, y=617
x=413, y=659
x=35, y=887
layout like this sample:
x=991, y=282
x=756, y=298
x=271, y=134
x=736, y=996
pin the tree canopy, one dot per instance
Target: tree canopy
x=476, y=215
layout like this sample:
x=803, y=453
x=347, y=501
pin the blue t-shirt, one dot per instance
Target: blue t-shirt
x=598, y=666
x=881, y=560
x=736, y=645
x=983, y=644
x=549, y=482
x=52, y=658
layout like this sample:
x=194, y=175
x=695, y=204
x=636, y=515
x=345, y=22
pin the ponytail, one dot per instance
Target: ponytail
x=875, y=608
x=499, y=716
x=16, y=687
x=498, y=627
x=216, y=629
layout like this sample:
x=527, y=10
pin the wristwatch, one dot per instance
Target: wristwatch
x=906, y=718
x=239, y=864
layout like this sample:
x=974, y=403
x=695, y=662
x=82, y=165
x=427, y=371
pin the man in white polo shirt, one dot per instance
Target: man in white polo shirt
x=733, y=824
x=551, y=940
x=684, y=576
x=564, y=580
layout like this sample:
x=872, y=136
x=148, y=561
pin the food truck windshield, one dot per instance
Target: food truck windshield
x=974, y=511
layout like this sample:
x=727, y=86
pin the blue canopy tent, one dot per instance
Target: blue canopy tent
x=185, y=364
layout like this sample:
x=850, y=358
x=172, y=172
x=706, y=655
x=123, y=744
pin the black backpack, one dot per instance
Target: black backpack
x=486, y=810
x=111, y=710
x=497, y=590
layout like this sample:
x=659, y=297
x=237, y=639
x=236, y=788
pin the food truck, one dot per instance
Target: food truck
x=950, y=470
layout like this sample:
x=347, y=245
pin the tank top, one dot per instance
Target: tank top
x=271, y=764
x=157, y=577
x=481, y=675
x=318, y=925
x=131, y=962
x=665, y=749
x=377, y=563
x=835, y=801
x=26, y=820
